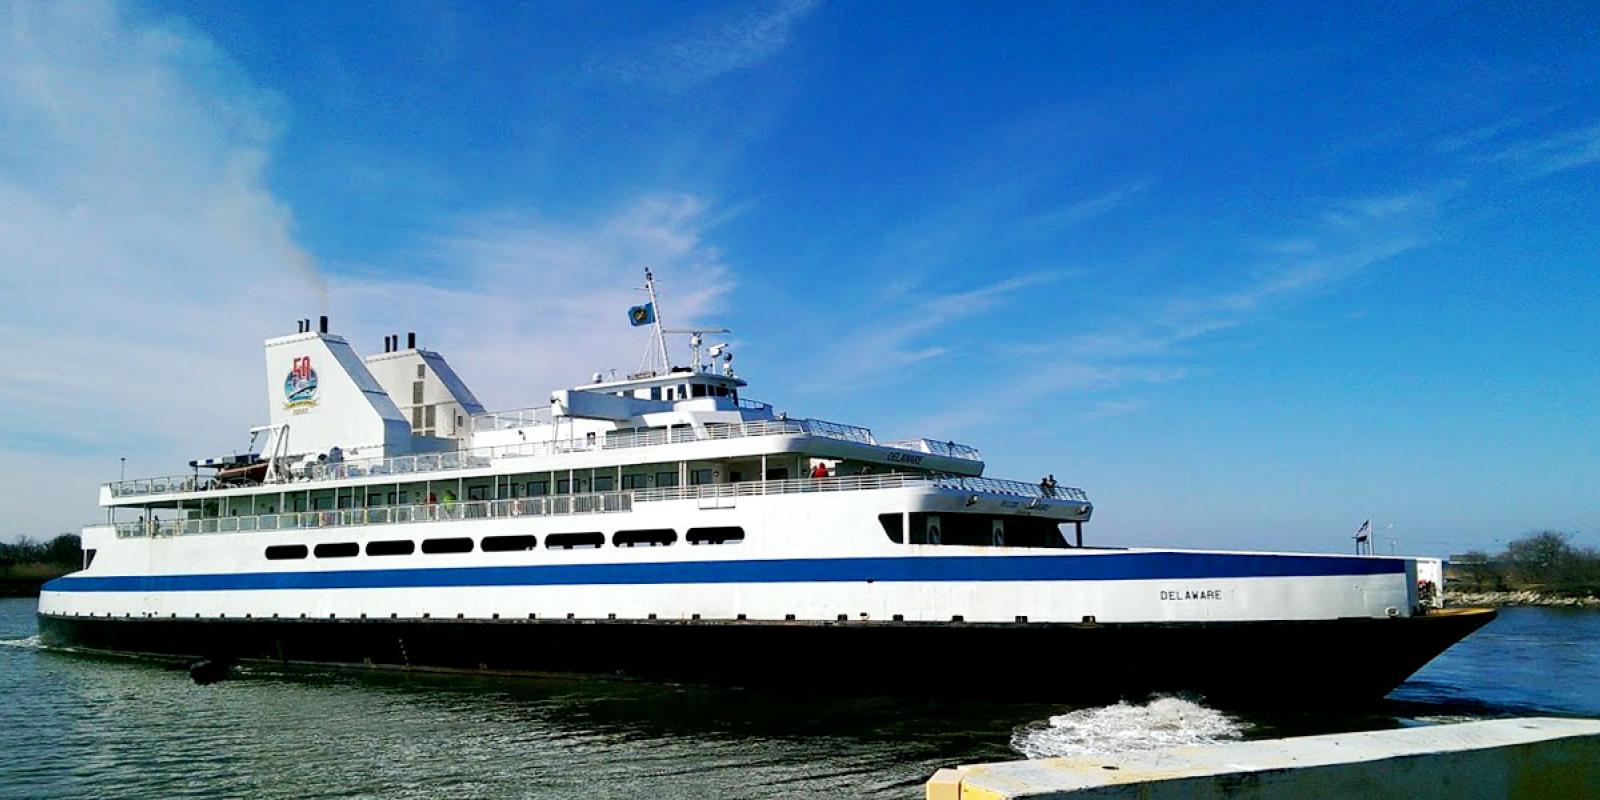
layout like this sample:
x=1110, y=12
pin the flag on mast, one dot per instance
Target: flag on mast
x=642, y=315
x=1363, y=532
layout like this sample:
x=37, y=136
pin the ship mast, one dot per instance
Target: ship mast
x=660, y=331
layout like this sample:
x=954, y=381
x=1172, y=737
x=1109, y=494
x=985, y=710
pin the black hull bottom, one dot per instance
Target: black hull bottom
x=1242, y=663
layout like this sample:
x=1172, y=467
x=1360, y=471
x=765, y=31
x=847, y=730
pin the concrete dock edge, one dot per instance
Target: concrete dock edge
x=1524, y=758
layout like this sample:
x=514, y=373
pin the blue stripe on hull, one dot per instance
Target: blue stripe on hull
x=1110, y=567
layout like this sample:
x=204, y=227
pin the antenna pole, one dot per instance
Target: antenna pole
x=655, y=306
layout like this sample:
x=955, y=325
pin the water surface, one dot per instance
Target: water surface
x=79, y=726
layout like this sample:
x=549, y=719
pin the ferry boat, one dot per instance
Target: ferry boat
x=664, y=525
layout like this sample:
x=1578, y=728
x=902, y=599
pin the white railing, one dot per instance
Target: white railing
x=451, y=460
x=164, y=485
x=515, y=418
x=547, y=505
x=938, y=448
x=850, y=483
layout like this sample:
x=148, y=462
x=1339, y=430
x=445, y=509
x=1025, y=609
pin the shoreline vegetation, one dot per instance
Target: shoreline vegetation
x=1540, y=569
x=26, y=565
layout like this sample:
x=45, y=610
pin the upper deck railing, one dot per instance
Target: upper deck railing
x=560, y=504
x=850, y=483
x=515, y=418
x=452, y=460
x=938, y=448
x=542, y=415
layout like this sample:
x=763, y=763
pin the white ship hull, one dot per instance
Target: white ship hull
x=807, y=557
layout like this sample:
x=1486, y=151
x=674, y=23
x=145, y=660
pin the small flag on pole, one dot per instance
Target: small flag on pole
x=642, y=315
x=1364, y=531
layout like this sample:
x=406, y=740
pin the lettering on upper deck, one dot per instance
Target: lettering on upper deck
x=1191, y=594
x=905, y=458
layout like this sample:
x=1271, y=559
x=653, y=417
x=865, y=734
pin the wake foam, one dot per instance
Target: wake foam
x=31, y=643
x=1120, y=728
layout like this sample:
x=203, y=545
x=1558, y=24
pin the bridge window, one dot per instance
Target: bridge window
x=726, y=535
x=337, y=550
x=452, y=545
x=697, y=390
x=895, y=526
x=979, y=530
x=508, y=544
x=572, y=541
x=654, y=537
x=390, y=547
x=286, y=552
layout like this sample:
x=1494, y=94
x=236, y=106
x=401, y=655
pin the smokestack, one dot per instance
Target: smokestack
x=411, y=340
x=322, y=324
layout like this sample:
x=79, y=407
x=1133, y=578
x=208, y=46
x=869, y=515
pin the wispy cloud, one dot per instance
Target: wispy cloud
x=513, y=287
x=1093, y=207
x=921, y=330
x=143, y=257
x=1151, y=340
x=1480, y=135
x=1557, y=152
x=678, y=60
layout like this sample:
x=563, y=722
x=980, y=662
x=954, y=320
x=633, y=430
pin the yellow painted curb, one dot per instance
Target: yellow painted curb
x=944, y=785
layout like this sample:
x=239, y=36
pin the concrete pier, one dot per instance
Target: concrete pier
x=1537, y=757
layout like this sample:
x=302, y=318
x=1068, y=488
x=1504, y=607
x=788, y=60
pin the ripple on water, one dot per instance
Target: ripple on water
x=1124, y=727
x=31, y=643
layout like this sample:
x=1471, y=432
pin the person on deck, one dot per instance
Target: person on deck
x=820, y=470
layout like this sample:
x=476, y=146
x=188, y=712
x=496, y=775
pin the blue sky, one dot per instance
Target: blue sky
x=1248, y=273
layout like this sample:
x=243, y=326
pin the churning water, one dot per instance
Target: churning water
x=1162, y=722
x=73, y=725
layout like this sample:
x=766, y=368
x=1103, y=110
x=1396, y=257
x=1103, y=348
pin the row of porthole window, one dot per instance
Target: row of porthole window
x=652, y=537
